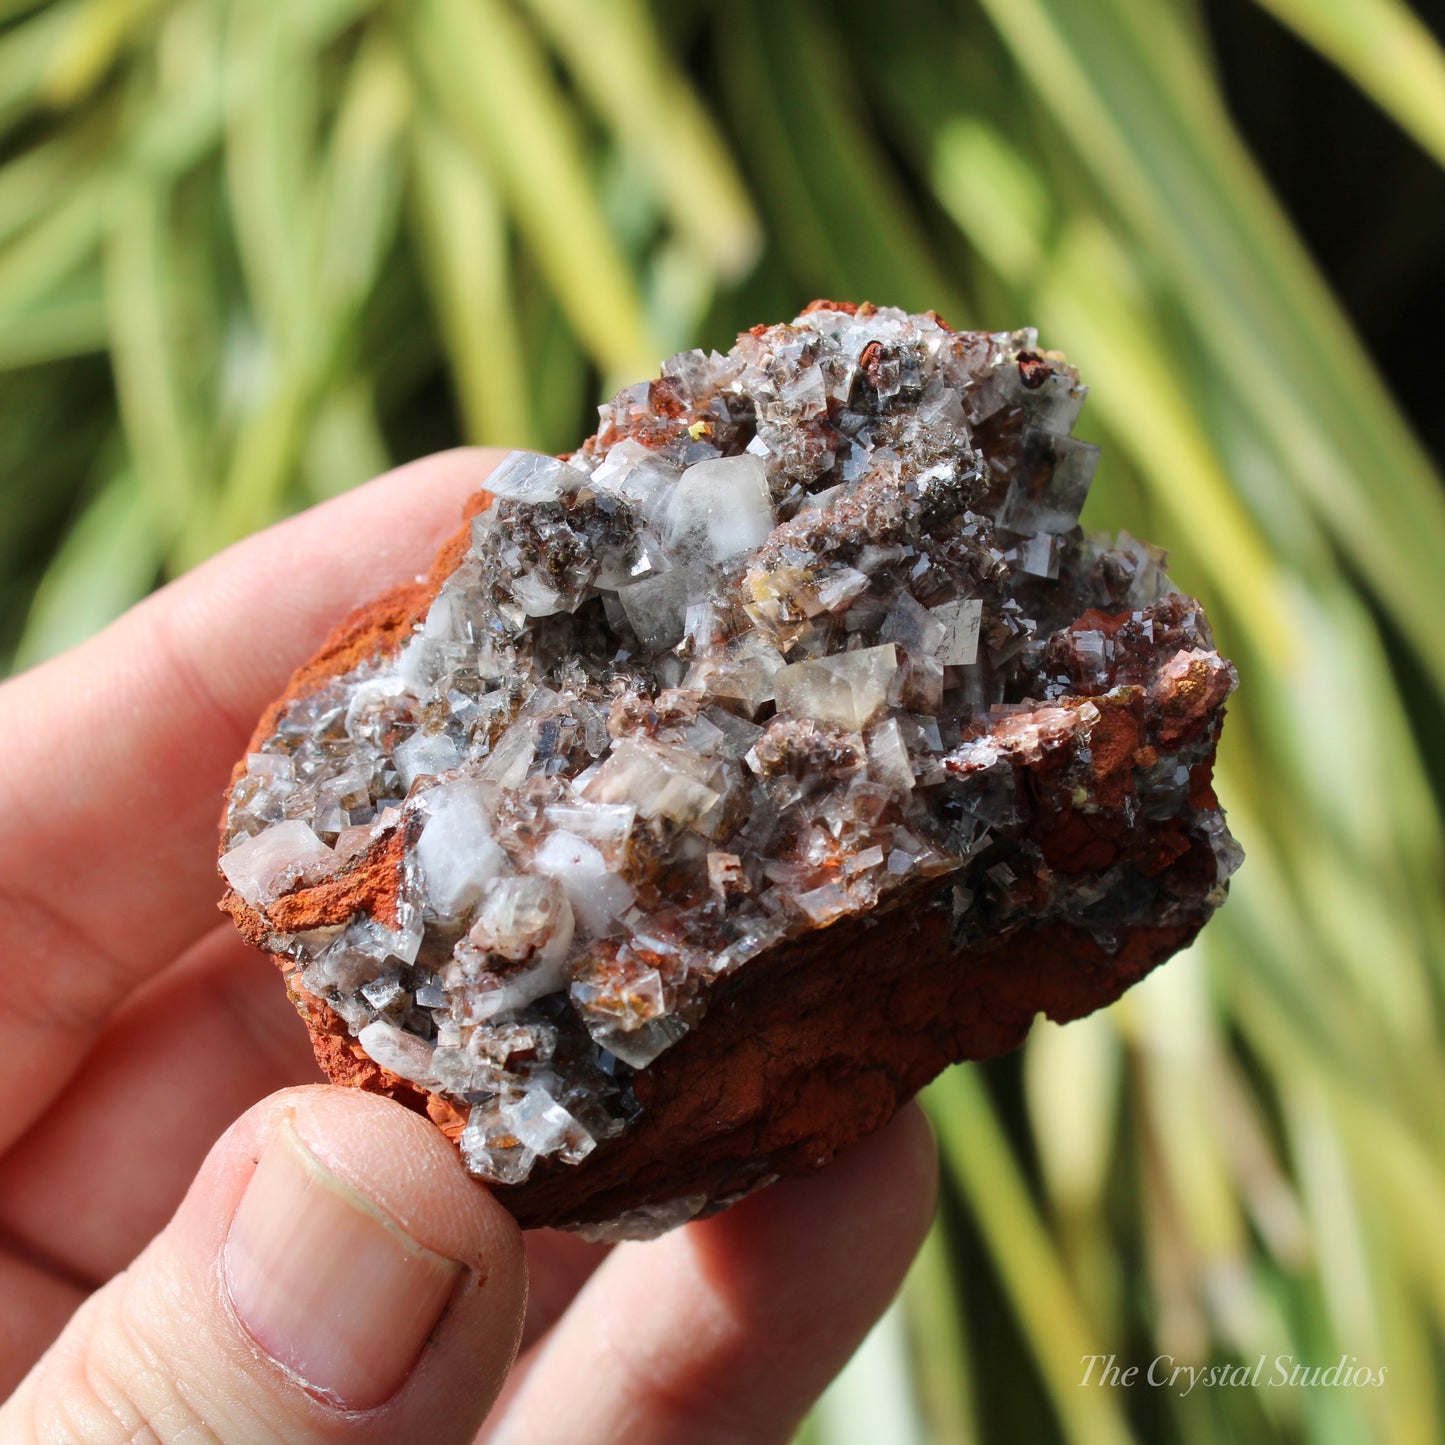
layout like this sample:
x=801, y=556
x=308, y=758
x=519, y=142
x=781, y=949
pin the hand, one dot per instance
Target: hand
x=330, y=1272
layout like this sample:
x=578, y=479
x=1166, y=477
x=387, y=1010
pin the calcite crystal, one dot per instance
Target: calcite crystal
x=733, y=775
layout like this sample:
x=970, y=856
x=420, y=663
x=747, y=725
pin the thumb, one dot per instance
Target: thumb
x=332, y=1275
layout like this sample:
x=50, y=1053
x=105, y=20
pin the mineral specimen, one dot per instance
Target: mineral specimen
x=732, y=776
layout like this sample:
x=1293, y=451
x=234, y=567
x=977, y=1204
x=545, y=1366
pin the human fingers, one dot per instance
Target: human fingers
x=34, y=1306
x=729, y=1329
x=332, y=1275
x=118, y=754
x=89, y=1185
x=100, y=1173
x=558, y=1265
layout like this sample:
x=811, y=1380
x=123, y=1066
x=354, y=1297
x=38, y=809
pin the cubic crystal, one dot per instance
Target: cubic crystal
x=456, y=850
x=263, y=867
x=844, y=691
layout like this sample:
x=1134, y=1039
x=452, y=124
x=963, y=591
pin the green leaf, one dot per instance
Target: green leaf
x=46, y=257
x=108, y=561
x=271, y=124
x=845, y=223
x=26, y=54
x=1382, y=46
x=146, y=344
x=638, y=90
x=1140, y=107
x=935, y=1298
x=997, y=198
x=70, y=321
x=980, y=1160
x=90, y=44
x=344, y=446
x=359, y=199
x=491, y=80
x=465, y=248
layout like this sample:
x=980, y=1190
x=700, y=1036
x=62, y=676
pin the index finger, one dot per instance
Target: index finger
x=119, y=753
x=729, y=1328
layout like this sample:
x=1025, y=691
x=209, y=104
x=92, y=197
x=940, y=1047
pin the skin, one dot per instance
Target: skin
x=146, y=1056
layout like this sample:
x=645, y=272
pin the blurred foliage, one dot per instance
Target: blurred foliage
x=253, y=253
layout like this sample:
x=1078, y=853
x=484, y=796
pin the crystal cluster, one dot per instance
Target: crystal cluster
x=775, y=647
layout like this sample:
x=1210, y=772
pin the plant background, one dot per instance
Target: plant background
x=255, y=251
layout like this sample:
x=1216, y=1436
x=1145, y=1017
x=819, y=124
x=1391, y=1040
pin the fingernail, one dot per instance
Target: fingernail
x=325, y=1282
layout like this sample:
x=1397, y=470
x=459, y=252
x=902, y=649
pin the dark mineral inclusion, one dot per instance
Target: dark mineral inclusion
x=785, y=743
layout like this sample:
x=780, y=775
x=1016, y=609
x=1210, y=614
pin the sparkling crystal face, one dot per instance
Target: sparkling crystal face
x=767, y=651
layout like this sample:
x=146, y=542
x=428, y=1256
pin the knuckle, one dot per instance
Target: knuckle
x=694, y=1407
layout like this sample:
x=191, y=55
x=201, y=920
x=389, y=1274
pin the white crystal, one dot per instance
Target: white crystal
x=495, y=997
x=719, y=508
x=442, y=618
x=262, y=868
x=580, y=755
x=913, y=627
x=940, y=406
x=864, y=862
x=1056, y=405
x=725, y=873
x=1150, y=578
x=635, y=474
x=456, y=850
x=537, y=599
x=824, y=905
x=738, y=733
x=805, y=395
x=639, y=558
x=744, y=673
x=382, y=993
x=640, y=1045
x=844, y=691
x=1051, y=503
x=275, y=766
x=403, y=940
x=622, y=1005
x=395, y=1049
x=1038, y=556
x=840, y=587
x=598, y=896
x=524, y=917
x=378, y=697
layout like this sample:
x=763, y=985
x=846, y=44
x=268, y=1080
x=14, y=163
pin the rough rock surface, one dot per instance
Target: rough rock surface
x=728, y=779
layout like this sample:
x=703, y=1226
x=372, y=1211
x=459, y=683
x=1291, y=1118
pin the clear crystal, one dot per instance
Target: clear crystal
x=541, y=1124
x=960, y=622
x=844, y=691
x=528, y=477
x=719, y=509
